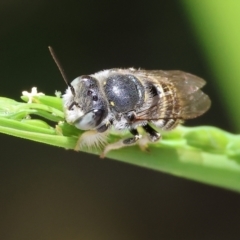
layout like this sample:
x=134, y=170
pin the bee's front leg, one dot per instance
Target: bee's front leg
x=134, y=139
x=91, y=140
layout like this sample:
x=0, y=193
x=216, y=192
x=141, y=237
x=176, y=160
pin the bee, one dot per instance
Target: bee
x=127, y=99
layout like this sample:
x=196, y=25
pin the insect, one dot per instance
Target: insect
x=127, y=99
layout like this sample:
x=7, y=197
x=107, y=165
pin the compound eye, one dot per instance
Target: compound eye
x=86, y=77
x=89, y=81
x=90, y=120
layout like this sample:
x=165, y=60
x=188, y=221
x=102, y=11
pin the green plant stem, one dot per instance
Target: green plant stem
x=204, y=154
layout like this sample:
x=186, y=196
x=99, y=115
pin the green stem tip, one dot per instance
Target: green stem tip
x=205, y=154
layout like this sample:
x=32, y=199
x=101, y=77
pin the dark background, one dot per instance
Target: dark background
x=51, y=193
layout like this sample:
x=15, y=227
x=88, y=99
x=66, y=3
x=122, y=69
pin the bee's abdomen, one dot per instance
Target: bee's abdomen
x=168, y=107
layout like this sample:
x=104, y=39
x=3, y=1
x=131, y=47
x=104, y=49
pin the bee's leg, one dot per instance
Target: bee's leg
x=153, y=135
x=122, y=143
x=91, y=140
x=134, y=139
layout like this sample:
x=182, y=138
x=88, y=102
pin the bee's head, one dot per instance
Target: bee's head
x=84, y=104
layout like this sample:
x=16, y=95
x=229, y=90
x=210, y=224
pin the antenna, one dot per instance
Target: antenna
x=54, y=56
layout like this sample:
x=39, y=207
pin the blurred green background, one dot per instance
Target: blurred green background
x=51, y=193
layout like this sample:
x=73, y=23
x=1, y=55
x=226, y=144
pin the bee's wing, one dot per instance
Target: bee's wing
x=193, y=102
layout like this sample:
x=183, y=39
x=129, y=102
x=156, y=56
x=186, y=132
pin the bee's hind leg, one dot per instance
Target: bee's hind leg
x=153, y=135
x=122, y=143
